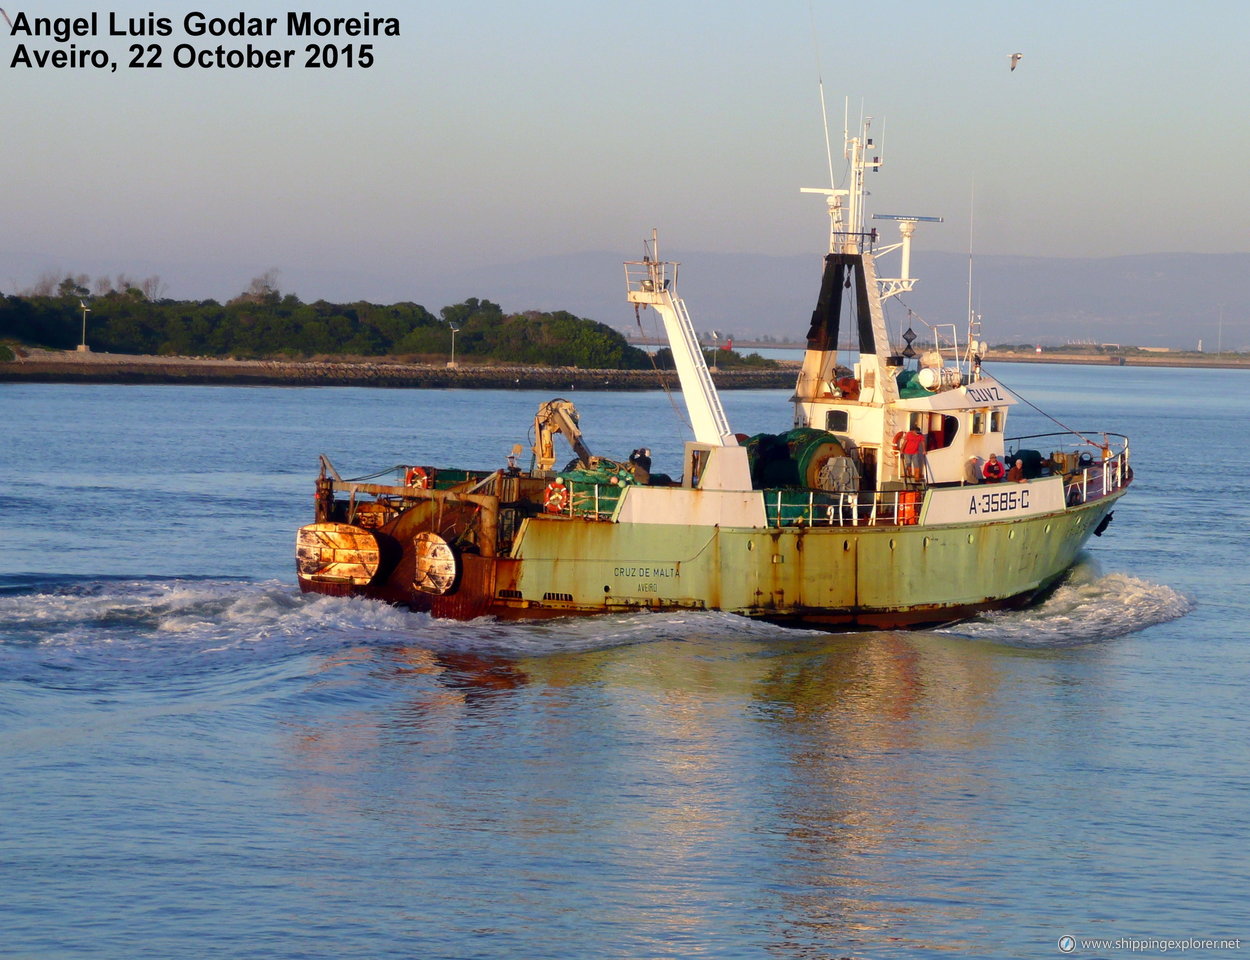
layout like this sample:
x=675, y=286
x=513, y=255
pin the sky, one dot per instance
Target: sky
x=493, y=133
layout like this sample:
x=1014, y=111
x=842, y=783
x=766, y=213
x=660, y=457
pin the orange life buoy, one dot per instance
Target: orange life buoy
x=556, y=497
x=417, y=477
x=898, y=439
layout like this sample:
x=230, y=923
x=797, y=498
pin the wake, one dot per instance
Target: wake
x=190, y=618
x=1087, y=607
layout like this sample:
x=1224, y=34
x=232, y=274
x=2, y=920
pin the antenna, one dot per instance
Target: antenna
x=863, y=120
x=824, y=115
x=976, y=347
x=972, y=194
x=846, y=126
x=820, y=82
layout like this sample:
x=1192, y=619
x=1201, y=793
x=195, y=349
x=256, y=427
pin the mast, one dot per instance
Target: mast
x=866, y=405
x=848, y=265
x=652, y=282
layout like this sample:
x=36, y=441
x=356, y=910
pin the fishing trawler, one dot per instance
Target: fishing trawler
x=886, y=503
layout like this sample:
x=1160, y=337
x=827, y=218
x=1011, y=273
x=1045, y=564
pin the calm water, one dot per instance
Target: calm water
x=198, y=761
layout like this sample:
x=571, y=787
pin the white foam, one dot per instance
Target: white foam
x=1087, y=607
x=106, y=611
x=209, y=616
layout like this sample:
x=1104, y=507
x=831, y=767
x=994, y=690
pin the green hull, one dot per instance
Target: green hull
x=835, y=575
x=823, y=576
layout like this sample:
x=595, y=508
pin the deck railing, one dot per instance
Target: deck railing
x=1091, y=469
x=789, y=507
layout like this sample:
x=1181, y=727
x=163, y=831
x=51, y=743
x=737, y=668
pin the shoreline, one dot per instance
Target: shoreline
x=69, y=366
x=1122, y=360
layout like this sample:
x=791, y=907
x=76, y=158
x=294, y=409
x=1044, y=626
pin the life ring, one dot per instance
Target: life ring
x=417, y=477
x=556, y=497
x=898, y=440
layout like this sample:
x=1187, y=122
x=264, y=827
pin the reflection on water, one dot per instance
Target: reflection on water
x=811, y=770
x=672, y=784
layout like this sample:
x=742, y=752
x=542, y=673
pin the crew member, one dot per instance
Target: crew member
x=640, y=462
x=911, y=446
x=993, y=470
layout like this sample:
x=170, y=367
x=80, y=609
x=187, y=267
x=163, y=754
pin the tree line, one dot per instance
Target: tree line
x=130, y=316
x=262, y=322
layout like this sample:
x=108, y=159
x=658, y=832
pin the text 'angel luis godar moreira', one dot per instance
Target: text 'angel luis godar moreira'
x=197, y=24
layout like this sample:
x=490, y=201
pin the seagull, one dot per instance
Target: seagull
x=1015, y=58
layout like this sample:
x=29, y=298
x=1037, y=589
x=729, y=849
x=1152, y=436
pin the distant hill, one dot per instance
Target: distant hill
x=1149, y=300
x=1152, y=300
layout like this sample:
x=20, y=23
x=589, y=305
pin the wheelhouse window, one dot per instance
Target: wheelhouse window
x=836, y=421
x=696, y=461
x=939, y=431
x=996, y=421
x=977, y=427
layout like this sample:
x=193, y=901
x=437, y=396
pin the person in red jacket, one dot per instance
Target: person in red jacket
x=911, y=446
x=993, y=470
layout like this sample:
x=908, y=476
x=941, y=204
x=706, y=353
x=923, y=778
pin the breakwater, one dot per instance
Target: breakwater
x=50, y=366
x=1170, y=359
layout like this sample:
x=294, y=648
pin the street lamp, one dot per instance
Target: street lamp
x=82, y=347
x=451, y=365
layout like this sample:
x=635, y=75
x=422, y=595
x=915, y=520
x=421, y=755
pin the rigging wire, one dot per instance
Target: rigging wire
x=668, y=392
x=1077, y=433
x=398, y=468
